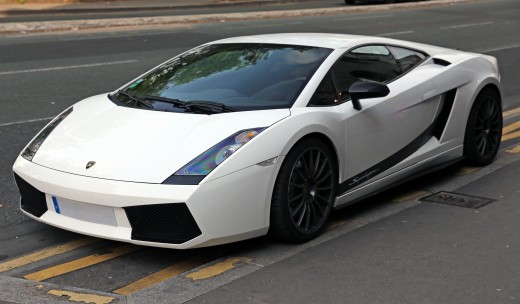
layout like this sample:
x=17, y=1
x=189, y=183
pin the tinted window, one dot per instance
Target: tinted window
x=367, y=63
x=326, y=93
x=407, y=59
x=243, y=76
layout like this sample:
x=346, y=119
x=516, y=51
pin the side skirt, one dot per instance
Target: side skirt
x=431, y=168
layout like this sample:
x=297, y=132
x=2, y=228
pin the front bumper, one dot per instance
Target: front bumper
x=228, y=209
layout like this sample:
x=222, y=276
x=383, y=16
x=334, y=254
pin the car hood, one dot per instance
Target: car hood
x=138, y=145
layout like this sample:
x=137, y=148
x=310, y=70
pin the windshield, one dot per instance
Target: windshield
x=237, y=76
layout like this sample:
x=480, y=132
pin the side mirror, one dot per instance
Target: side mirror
x=366, y=89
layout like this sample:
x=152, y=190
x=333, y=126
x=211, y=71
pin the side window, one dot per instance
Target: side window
x=407, y=59
x=366, y=63
x=372, y=63
x=326, y=93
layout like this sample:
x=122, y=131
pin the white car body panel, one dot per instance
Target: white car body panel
x=141, y=155
x=233, y=201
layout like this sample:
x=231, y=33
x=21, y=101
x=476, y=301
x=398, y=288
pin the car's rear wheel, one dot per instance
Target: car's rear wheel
x=304, y=192
x=484, y=129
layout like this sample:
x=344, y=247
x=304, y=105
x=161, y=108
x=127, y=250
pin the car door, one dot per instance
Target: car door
x=387, y=130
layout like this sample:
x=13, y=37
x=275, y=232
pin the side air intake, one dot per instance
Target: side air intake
x=442, y=119
x=441, y=62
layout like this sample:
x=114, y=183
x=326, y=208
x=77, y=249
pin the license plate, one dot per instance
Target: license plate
x=84, y=212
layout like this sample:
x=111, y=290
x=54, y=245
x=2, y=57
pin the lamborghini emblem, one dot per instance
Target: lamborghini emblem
x=90, y=164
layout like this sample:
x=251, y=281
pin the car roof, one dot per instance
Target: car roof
x=332, y=41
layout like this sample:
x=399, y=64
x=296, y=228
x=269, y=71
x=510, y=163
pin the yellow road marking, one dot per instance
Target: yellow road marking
x=409, y=195
x=511, y=127
x=467, y=170
x=511, y=112
x=45, y=253
x=511, y=136
x=163, y=275
x=514, y=149
x=218, y=268
x=94, y=259
x=82, y=297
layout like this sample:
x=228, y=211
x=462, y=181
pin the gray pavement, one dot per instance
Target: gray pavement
x=430, y=253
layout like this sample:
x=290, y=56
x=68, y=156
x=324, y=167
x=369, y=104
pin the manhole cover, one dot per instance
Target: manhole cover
x=457, y=199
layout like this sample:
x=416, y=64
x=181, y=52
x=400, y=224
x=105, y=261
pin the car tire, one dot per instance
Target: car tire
x=303, y=193
x=389, y=1
x=350, y=1
x=483, y=129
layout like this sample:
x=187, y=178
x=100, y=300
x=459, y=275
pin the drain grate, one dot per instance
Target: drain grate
x=457, y=199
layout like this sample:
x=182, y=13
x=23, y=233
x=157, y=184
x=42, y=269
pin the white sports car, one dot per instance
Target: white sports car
x=249, y=135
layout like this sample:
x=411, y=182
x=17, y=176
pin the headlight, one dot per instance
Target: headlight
x=193, y=172
x=36, y=143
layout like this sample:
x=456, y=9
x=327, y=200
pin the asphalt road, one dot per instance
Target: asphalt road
x=41, y=75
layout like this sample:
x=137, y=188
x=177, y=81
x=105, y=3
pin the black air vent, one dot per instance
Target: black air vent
x=442, y=119
x=33, y=200
x=441, y=62
x=164, y=223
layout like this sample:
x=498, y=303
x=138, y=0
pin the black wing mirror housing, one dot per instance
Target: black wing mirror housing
x=366, y=89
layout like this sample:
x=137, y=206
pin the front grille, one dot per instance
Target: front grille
x=164, y=223
x=33, y=200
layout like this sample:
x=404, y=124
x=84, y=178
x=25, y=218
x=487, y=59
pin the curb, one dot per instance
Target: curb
x=75, y=25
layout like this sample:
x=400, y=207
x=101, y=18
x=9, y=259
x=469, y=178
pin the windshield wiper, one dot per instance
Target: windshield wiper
x=136, y=99
x=208, y=106
x=175, y=102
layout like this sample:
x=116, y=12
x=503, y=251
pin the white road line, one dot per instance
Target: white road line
x=345, y=18
x=465, y=25
x=395, y=33
x=500, y=48
x=91, y=65
x=25, y=121
x=274, y=24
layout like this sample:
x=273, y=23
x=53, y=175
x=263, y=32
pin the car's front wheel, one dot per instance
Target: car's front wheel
x=484, y=129
x=304, y=192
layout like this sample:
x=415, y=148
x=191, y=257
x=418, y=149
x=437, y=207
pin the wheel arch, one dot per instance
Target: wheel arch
x=490, y=83
x=493, y=87
x=328, y=142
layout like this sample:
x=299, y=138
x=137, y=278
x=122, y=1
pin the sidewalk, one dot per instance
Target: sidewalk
x=125, y=6
x=430, y=253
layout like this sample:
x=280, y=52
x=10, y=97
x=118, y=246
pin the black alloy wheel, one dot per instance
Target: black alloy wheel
x=484, y=129
x=304, y=192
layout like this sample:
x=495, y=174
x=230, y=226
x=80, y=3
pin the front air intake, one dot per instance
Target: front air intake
x=163, y=223
x=33, y=200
